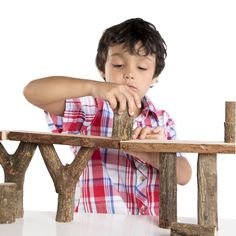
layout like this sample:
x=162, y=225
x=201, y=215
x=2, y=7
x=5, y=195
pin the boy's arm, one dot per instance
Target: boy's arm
x=50, y=93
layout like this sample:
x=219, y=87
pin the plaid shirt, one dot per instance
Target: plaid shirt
x=113, y=181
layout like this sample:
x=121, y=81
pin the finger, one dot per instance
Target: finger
x=137, y=100
x=129, y=94
x=144, y=132
x=158, y=130
x=136, y=132
x=131, y=105
x=155, y=136
x=122, y=104
x=113, y=103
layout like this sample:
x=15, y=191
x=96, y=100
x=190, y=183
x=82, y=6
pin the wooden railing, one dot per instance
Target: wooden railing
x=66, y=177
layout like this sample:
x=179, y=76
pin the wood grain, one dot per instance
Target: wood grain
x=150, y=145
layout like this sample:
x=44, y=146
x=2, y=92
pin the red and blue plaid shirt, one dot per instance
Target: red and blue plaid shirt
x=113, y=181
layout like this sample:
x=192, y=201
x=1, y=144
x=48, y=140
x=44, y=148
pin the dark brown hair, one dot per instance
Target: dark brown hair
x=129, y=33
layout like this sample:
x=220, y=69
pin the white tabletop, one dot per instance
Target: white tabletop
x=44, y=224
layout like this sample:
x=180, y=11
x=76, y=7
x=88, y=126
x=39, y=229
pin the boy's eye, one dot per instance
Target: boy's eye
x=117, y=65
x=142, y=68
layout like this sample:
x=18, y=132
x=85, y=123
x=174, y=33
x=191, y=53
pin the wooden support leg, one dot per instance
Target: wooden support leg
x=168, y=190
x=65, y=177
x=15, y=166
x=230, y=122
x=180, y=229
x=207, y=189
x=8, y=203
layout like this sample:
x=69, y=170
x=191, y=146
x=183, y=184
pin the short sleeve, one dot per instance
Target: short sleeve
x=78, y=112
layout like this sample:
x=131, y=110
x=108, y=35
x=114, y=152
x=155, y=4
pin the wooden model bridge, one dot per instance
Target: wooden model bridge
x=66, y=176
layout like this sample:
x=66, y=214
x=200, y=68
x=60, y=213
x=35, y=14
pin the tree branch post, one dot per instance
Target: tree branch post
x=168, y=190
x=207, y=189
x=229, y=125
x=8, y=203
x=14, y=167
x=65, y=177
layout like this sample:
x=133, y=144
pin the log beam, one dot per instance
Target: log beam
x=181, y=229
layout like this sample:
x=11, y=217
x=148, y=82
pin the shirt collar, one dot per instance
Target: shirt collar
x=148, y=108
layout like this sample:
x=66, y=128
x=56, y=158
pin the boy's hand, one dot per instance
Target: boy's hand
x=118, y=95
x=149, y=133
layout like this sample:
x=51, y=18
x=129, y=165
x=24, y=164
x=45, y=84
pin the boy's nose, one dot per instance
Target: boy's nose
x=128, y=76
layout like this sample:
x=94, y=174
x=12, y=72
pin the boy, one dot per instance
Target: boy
x=130, y=57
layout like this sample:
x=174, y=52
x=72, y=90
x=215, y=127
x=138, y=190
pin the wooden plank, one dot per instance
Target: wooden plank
x=65, y=139
x=3, y=135
x=207, y=189
x=151, y=145
x=147, y=145
x=168, y=190
x=182, y=229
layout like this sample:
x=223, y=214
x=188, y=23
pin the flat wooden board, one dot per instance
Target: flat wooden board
x=147, y=145
x=64, y=139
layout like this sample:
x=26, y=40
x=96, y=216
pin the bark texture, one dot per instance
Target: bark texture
x=229, y=125
x=14, y=167
x=8, y=203
x=181, y=229
x=65, y=177
x=207, y=189
x=122, y=126
x=168, y=190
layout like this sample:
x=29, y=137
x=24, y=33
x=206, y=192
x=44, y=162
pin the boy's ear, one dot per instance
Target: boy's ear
x=154, y=81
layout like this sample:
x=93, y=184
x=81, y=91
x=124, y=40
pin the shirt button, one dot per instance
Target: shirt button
x=143, y=210
x=142, y=178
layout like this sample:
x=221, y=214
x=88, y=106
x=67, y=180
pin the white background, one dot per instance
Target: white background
x=59, y=37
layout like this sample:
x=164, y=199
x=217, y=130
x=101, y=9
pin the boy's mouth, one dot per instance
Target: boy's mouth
x=132, y=87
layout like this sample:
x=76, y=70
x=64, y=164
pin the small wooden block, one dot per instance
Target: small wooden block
x=122, y=126
x=181, y=229
x=8, y=203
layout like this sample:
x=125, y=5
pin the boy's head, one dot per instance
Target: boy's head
x=131, y=33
